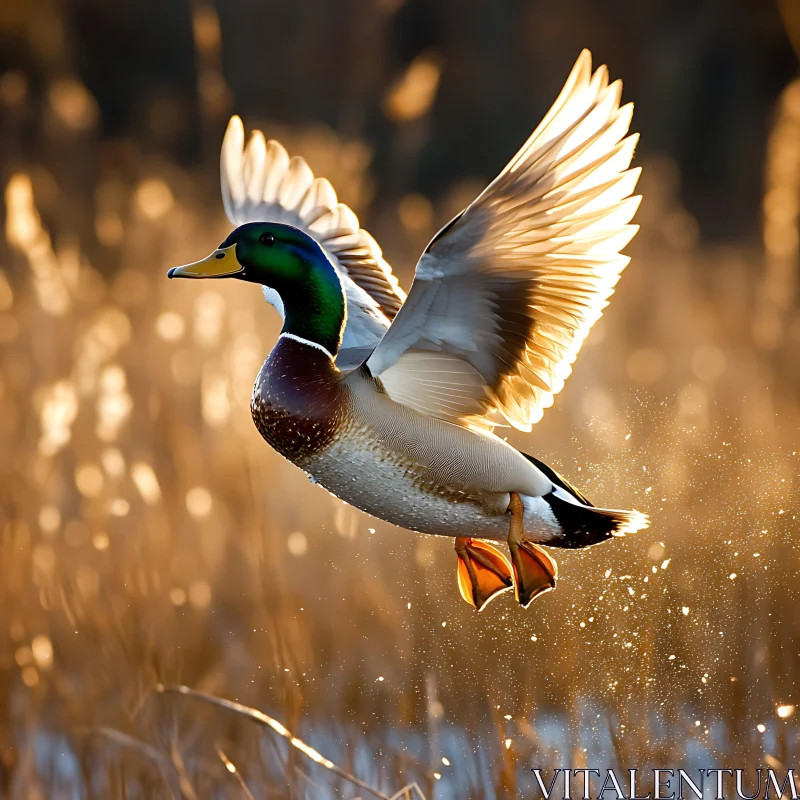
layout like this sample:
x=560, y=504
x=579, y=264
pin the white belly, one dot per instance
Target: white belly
x=382, y=484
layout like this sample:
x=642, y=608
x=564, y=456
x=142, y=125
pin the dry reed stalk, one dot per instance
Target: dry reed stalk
x=231, y=768
x=778, y=289
x=263, y=719
x=781, y=204
x=147, y=751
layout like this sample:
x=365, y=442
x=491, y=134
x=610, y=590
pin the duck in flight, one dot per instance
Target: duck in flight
x=390, y=401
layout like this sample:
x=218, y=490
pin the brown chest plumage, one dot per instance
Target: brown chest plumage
x=297, y=402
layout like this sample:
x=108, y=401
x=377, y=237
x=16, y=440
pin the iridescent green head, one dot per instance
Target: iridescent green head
x=290, y=262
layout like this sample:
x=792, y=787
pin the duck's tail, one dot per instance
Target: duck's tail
x=584, y=525
x=581, y=523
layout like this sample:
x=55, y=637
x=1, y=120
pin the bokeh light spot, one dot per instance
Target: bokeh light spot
x=198, y=501
x=297, y=543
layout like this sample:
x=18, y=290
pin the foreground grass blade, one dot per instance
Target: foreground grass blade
x=406, y=793
x=231, y=767
x=146, y=750
x=261, y=718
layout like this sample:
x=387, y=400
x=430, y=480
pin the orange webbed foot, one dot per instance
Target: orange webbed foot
x=535, y=571
x=483, y=571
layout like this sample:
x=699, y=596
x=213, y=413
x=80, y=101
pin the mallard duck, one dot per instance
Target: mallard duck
x=390, y=401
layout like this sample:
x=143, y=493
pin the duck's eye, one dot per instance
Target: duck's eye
x=266, y=239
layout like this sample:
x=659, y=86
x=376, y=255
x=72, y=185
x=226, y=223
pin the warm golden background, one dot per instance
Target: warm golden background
x=148, y=535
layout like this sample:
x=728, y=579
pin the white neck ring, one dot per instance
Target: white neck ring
x=308, y=342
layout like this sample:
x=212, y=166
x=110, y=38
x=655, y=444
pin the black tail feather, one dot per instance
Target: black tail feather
x=586, y=525
x=583, y=524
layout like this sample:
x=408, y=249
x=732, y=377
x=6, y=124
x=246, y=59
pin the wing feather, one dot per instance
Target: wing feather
x=261, y=183
x=512, y=286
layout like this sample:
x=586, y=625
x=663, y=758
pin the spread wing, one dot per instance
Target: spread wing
x=260, y=183
x=505, y=294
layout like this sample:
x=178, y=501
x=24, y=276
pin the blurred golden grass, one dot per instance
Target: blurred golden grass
x=148, y=536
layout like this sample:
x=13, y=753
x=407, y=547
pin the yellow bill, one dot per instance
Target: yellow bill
x=222, y=263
